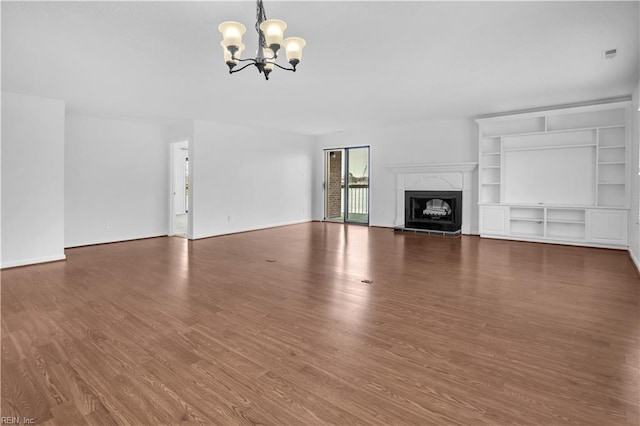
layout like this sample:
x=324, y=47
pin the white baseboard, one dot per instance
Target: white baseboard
x=556, y=242
x=24, y=262
x=254, y=228
x=98, y=242
x=635, y=259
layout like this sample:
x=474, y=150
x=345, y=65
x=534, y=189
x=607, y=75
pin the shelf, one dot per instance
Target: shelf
x=612, y=147
x=578, y=222
x=492, y=183
x=611, y=183
x=542, y=132
x=610, y=163
x=490, y=167
x=551, y=206
x=565, y=217
x=506, y=135
x=580, y=129
x=612, y=196
x=513, y=125
x=614, y=126
x=550, y=147
x=595, y=118
x=491, y=153
x=490, y=145
x=527, y=219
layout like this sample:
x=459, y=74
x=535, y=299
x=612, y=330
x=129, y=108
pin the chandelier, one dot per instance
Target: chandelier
x=270, y=39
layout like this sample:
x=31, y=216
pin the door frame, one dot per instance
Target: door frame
x=345, y=176
x=325, y=184
x=172, y=188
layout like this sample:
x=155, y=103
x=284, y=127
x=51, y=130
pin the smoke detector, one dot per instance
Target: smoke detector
x=609, y=54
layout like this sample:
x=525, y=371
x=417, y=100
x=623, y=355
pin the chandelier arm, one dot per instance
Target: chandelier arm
x=283, y=68
x=240, y=69
x=245, y=60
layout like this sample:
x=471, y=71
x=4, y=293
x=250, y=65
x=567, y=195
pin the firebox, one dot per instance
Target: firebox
x=433, y=210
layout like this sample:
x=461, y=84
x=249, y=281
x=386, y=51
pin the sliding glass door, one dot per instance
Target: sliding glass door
x=357, y=185
x=333, y=185
x=347, y=185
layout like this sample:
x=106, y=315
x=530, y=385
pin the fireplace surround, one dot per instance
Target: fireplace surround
x=437, y=177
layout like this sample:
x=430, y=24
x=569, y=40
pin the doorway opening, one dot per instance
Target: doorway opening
x=179, y=220
x=346, y=185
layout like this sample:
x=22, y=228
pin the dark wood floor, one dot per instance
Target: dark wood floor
x=278, y=327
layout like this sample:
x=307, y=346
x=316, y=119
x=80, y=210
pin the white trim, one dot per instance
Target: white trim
x=634, y=258
x=237, y=231
x=545, y=111
x=582, y=243
x=95, y=243
x=24, y=262
x=555, y=206
x=433, y=167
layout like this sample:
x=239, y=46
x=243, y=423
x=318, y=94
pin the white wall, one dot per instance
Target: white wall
x=180, y=131
x=32, y=179
x=244, y=179
x=634, y=227
x=448, y=141
x=116, y=180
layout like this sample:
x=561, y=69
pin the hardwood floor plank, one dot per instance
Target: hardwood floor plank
x=75, y=389
x=68, y=414
x=22, y=395
x=453, y=331
x=14, y=347
x=299, y=402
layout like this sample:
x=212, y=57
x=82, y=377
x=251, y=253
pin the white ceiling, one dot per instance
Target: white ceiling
x=366, y=63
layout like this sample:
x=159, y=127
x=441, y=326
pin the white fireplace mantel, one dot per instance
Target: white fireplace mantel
x=435, y=177
x=433, y=168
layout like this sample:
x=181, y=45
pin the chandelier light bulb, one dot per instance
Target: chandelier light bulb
x=293, y=47
x=273, y=30
x=268, y=53
x=232, y=33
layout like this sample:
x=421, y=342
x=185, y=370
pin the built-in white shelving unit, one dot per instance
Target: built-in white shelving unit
x=558, y=175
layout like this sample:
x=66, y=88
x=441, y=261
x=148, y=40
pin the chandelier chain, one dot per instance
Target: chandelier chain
x=261, y=16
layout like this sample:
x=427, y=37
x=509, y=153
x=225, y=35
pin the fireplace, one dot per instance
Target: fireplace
x=437, y=177
x=433, y=210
